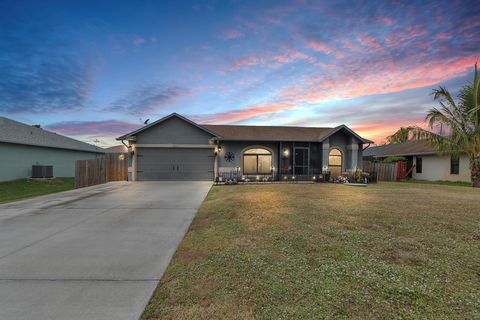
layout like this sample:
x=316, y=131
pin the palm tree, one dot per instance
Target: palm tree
x=401, y=135
x=462, y=121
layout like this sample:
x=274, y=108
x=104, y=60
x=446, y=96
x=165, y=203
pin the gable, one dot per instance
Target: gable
x=173, y=130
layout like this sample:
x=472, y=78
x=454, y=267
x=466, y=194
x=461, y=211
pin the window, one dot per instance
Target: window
x=454, y=165
x=257, y=161
x=335, y=162
x=419, y=165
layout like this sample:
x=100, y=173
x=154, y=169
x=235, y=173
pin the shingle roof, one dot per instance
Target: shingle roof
x=16, y=132
x=409, y=148
x=269, y=133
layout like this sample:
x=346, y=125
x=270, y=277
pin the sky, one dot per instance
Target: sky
x=94, y=70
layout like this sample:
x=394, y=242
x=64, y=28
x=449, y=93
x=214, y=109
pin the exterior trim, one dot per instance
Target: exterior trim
x=172, y=145
x=404, y=154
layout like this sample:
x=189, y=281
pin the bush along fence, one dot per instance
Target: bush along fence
x=110, y=167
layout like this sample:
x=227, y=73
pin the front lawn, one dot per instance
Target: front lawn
x=27, y=188
x=320, y=251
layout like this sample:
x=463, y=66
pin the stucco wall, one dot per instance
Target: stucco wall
x=16, y=160
x=351, y=149
x=438, y=168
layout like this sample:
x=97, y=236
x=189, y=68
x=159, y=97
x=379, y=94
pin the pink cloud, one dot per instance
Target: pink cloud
x=295, y=54
x=282, y=58
x=245, y=113
x=243, y=63
x=370, y=43
x=379, y=77
x=444, y=36
x=386, y=21
x=319, y=46
x=404, y=36
x=232, y=34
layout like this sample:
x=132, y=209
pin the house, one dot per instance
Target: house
x=176, y=148
x=428, y=164
x=22, y=146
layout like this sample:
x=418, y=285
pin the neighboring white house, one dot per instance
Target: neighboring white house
x=428, y=164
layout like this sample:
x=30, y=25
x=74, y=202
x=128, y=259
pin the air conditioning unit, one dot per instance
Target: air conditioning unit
x=40, y=171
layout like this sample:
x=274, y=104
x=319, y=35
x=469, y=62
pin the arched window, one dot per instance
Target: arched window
x=257, y=161
x=335, y=162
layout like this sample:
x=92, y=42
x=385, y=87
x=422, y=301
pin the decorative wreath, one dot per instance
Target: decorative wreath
x=229, y=156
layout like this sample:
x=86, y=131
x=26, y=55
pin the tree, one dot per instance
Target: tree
x=401, y=135
x=462, y=120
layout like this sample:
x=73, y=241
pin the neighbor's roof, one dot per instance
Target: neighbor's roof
x=409, y=148
x=20, y=133
x=259, y=133
x=117, y=149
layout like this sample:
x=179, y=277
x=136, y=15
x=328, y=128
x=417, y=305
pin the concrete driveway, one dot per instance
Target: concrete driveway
x=92, y=253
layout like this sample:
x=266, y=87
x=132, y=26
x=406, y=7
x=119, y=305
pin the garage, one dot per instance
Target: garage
x=196, y=164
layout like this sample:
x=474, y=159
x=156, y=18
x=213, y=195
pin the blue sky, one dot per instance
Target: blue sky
x=94, y=70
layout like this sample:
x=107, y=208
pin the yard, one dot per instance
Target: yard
x=392, y=250
x=27, y=188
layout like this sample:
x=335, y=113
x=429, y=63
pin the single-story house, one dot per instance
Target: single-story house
x=428, y=163
x=176, y=148
x=22, y=146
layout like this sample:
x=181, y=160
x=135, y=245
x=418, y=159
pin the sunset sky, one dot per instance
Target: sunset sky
x=95, y=70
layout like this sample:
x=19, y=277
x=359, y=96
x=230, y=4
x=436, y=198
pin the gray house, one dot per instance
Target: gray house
x=176, y=148
x=22, y=146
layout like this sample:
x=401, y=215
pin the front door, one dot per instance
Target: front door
x=301, y=161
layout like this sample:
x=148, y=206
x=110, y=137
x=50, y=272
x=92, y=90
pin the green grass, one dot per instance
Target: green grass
x=27, y=188
x=442, y=182
x=325, y=251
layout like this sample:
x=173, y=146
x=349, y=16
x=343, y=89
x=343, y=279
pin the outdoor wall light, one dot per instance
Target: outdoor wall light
x=286, y=152
x=293, y=177
x=314, y=178
x=121, y=157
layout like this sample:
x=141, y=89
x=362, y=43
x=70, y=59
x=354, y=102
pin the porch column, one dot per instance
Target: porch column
x=352, y=149
x=325, y=151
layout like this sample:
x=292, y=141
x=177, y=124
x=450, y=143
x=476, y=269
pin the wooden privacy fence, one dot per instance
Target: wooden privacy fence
x=385, y=171
x=110, y=167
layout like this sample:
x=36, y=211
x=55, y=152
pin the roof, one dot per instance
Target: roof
x=130, y=134
x=237, y=132
x=117, y=149
x=408, y=148
x=259, y=133
x=20, y=133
